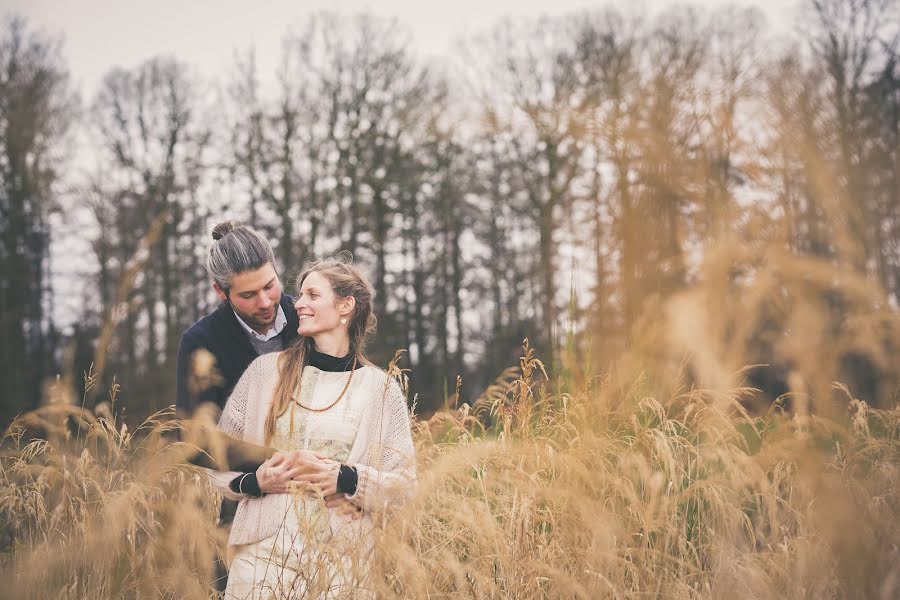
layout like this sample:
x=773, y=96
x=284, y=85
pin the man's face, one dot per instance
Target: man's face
x=254, y=297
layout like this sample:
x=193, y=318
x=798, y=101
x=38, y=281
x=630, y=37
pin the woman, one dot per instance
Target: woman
x=344, y=426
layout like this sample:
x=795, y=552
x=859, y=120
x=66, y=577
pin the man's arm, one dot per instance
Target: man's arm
x=198, y=378
x=184, y=399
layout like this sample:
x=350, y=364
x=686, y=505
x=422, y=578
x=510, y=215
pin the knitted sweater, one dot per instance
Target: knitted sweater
x=382, y=452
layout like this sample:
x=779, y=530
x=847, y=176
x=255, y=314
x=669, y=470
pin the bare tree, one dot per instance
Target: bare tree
x=730, y=103
x=534, y=90
x=36, y=108
x=249, y=153
x=854, y=41
x=675, y=54
x=608, y=47
x=148, y=124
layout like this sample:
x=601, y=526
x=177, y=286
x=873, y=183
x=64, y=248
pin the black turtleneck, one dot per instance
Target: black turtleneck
x=334, y=364
x=347, y=476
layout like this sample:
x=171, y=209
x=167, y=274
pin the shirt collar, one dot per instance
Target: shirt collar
x=277, y=327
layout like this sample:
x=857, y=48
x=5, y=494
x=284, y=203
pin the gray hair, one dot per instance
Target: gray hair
x=236, y=249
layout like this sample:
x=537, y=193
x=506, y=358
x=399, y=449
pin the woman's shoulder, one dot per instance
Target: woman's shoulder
x=265, y=363
x=372, y=373
x=376, y=377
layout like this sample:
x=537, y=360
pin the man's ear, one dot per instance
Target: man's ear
x=222, y=294
x=346, y=305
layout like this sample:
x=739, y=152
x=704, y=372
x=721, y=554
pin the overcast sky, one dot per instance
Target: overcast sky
x=101, y=34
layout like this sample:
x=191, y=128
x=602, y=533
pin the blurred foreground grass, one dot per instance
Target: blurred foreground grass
x=601, y=491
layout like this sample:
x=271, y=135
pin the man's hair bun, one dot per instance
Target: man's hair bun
x=222, y=229
x=236, y=249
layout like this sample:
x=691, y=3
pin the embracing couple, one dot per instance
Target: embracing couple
x=291, y=375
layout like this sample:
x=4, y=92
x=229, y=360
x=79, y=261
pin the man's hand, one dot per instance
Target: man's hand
x=321, y=478
x=276, y=474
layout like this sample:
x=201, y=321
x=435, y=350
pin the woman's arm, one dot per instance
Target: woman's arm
x=386, y=474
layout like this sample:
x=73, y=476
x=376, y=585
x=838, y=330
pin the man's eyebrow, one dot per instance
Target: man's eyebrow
x=267, y=284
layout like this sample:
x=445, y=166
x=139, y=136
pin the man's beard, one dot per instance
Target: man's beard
x=257, y=319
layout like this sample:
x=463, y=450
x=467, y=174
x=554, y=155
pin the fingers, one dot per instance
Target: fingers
x=337, y=502
x=299, y=470
x=273, y=474
x=275, y=460
x=278, y=474
x=306, y=459
x=316, y=483
x=346, y=508
x=303, y=471
x=300, y=462
x=310, y=477
x=296, y=473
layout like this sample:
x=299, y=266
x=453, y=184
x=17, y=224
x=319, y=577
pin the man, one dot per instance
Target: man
x=255, y=317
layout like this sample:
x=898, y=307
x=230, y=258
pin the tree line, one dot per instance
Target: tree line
x=547, y=180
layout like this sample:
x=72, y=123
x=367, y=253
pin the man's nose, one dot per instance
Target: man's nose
x=264, y=300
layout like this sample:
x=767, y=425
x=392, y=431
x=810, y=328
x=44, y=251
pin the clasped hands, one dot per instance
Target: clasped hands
x=308, y=471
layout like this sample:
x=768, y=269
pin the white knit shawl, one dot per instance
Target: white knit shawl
x=382, y=452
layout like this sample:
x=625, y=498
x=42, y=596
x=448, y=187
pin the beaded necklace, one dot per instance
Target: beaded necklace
x=296, y=395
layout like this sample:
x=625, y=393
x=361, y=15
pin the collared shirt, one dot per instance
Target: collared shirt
x=280, y=323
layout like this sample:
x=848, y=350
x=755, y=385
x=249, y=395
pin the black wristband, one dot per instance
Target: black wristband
x=246, y=484
x=347, y=480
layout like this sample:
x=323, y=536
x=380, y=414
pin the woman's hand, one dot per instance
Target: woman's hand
x=276, y=475
x=343, y=506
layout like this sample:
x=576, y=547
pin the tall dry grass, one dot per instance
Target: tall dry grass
x=650, y=479
x=91, y=510
x=595, y=494
x=601, y=492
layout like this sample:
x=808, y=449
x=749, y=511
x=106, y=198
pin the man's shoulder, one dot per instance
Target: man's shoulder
x=208, y=327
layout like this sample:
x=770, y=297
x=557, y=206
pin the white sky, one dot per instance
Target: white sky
x=101, y=34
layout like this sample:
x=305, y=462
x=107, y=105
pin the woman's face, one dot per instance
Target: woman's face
x=317, y=306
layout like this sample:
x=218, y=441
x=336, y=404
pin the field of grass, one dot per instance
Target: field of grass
x=603, y=490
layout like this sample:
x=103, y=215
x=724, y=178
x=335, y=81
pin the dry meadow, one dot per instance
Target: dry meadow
x=660, y=476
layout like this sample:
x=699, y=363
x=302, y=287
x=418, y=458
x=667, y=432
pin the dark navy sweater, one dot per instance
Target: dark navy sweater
x=220, y=333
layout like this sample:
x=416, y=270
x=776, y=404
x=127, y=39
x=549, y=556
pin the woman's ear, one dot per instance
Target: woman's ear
x=346, y=305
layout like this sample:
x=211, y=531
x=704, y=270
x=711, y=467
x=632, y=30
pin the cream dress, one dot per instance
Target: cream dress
x=316, y=552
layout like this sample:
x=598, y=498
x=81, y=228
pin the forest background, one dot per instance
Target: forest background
x=574, y=180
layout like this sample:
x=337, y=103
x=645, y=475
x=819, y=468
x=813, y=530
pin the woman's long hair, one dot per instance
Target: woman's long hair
x=346, y=280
